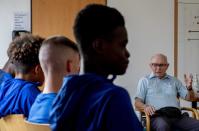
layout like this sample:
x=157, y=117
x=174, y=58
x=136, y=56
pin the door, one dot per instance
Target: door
x=56, y=17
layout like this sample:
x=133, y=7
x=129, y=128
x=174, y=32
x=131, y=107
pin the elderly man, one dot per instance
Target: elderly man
x=157, y=96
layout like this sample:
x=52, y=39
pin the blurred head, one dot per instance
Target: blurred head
x=23, y=52
x=159, y=65
x=9, y=67
x=101, y=33
x=59, y=56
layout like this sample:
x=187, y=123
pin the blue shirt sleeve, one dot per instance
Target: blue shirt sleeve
x=29, y=93
x=142, y=89
x=4, y=76
x=120, y=113
x=181, y=89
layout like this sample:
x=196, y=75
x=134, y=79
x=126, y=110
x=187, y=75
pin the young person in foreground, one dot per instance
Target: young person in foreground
x=91, y=102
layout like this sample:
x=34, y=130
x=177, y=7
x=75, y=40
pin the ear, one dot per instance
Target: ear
x=37, y=69
x=167, y=65
x=98, y=45
x=68, y=66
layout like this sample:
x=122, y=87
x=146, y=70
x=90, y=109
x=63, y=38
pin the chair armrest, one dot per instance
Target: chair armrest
x=148, y=126
x=194, y=112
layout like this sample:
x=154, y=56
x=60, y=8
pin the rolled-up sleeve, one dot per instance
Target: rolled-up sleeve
x=181, y=89
x=141, y=89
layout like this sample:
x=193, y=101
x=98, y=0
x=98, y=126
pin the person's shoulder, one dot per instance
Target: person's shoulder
x=29, y=87
x=120, y=90
x=115, y=89
x=4, y=75
x=89, y=80
x=4, y=72
x=69, y=80
x=172, y=78
x=69, y=77
x=145, y=78
x=1, y=71
x=83, y=79
x=43, y=96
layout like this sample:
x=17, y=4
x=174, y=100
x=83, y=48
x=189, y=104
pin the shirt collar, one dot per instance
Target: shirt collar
x=113, y=78
x=152, y=75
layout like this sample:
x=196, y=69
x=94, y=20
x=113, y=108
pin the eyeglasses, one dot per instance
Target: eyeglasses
x=160, y=65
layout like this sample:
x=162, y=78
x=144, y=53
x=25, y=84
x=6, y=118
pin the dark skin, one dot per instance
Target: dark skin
x=110, y=56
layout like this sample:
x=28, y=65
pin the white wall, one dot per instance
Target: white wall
x=7, y=10
x=150, y=25
x=150, y=29
x=188, y=50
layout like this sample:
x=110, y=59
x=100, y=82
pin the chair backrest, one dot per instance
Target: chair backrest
x=145, y=120
x=12, y=123
x=2, y=128
x=37, y=127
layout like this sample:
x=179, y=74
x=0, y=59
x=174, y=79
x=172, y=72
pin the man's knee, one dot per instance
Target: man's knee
x=159, y=124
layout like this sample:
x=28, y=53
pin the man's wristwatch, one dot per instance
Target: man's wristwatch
x=189, y=89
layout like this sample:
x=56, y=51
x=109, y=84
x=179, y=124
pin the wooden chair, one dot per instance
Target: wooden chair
x=197, y=108
x=37, y=127
x=194, y=112
x=12, y=123
x=147, y=118
x=2, y=127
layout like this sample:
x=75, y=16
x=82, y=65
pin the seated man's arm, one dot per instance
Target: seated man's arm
x=191, y=96
x=139, y=104
x=140, y=96
x=148, y=109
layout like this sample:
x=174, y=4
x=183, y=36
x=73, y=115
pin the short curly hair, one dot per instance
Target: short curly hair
x=23, y=52
x=96, y=21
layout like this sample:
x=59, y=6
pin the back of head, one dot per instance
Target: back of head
x=23, y=52
x=93, y=22
x=54, y=54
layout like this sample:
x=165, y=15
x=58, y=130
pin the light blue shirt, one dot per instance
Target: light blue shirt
x=160, y=92
x=39, y=112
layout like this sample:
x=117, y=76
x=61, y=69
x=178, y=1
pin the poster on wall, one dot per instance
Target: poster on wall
x=21, y=21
